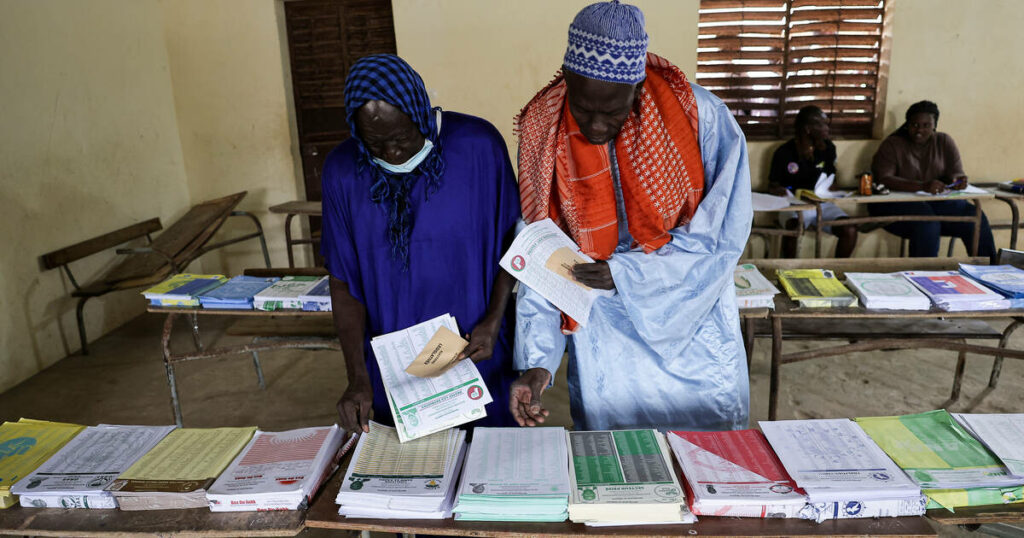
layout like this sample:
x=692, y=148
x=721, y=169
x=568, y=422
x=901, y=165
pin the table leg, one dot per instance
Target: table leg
x=997, y=361
x=958, y=378
x=195, y=331
x=977, y=227
x=288, y=239
x=818, y=230
x=748, y=340
x=773, y=387
x=166, y=346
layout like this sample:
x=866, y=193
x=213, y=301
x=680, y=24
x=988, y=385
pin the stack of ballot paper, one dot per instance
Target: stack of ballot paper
x=844, y=473
x=542, y=257
x=26, y=444
x=413, y=480
x=815, y=288
x=279, y=470
x=953, y=292
x=428, y=389
x=1003, y=434
x=515, y=474
x=75, y=476
x=1005, y=279
x=952, y=467
x=179, y=469
x=318, y=299
x=237, y=293
x=182, y=289
x=753, y=290
x=284, y=294
x=887, y=291
x=735, y=473
x=623, y=477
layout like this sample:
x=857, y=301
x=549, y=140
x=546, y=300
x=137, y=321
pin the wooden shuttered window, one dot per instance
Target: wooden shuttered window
x=768, y=58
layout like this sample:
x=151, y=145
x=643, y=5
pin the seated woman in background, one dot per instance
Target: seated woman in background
x=918, y=158
x=797, y=164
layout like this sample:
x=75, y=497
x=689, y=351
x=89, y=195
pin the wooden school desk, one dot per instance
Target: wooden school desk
x=769, y=232
x=298, y=207
x=1011, y=199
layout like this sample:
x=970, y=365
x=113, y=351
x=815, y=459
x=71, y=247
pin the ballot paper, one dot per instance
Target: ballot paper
x=390, y=479
x=753, y=290
x=887, y=291
x=424, y=405
x=441, y=353
x=285, y=293
x=318, y=299
x=833, y=460
x=623, y=477
x=815, y=288
x=954, y=292
x=26, y=444
x=515, y=474
x=735, y=473
x=970, y=189
x=1002, y=433
x=75, y=477
x=1007, y=280
x=760, y=201
x=953, y=467
x=541, y=257
x=822, y=189
x=279, y=470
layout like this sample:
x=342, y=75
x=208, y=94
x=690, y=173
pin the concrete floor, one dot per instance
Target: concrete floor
x=122, y=381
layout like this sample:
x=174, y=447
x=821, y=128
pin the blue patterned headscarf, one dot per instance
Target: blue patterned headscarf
x=388, y=78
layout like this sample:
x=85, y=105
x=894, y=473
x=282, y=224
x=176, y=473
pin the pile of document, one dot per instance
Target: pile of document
x=515, y=474
x=279, y=470
x=1005, y=279
x=429, y=390
x=623, y=477
x=753, y=290
x=24, y=446
x=178, y=471
x=815, y=288
x=182, y=289
x=954, y=292
x=736, y=474
x=318, y=299
x=844, y=473
x=235, y=294
x=887, y=291
x=953, y=468
x=75, y=477
x=284, y=294
x=413, y=480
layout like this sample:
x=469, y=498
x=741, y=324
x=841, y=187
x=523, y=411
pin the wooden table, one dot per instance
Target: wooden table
x=767, y=232
x=324, y=514
x=1011, y=199
x=198, y=522
x=882, y=329
x=819, y=228
x=297, y=207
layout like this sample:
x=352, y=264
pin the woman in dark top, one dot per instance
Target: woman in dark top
x=918, y=158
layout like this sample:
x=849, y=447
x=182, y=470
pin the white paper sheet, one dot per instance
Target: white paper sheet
x=1001, y=433
x=517, y=461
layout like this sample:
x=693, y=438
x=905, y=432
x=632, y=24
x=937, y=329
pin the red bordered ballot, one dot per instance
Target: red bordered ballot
x=735, y=473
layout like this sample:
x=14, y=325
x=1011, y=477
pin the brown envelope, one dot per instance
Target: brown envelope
x=439, y=355
x=561, y=262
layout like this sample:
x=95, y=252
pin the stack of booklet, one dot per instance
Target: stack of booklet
x=623, y=477
x=26, y=444
x=428, y=389
x=735, y=473
x=75, y=477
x=887, y=291
x=178, y=471
x=284, y=294
x=844, y=473
x=279, y=470
x=815, y=288
x=1005, y=279
x=753, y=290
x=414, y=480
x=953, y=468
x=318, y=299
x=1000, y=433
x=182, y=289
x=236, y=294
x=953, y=292
x=515, y=474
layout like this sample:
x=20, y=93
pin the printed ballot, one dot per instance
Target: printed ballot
x=623, y=477
x=424, y=405
x=1001, y=433
x=26, y=444
x=75, y=477
x=887, y=291
x=515, y=474
x=542, y=257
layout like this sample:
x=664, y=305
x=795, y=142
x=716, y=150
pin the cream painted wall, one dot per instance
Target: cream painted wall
x=88, y=143
x=232, y=109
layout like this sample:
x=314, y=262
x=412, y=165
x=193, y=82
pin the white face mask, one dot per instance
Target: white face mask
x=411, y=164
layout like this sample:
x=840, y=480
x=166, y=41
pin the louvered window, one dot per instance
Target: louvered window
x=768, y=58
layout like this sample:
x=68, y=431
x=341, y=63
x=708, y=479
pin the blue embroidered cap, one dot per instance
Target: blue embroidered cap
x=607, y=41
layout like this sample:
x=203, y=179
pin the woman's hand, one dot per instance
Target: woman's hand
x=934, y=186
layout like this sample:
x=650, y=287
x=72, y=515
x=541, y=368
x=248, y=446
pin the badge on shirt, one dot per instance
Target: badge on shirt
x=793, y=168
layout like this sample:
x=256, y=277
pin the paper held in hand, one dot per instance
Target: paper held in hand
x=439, y=355
x=542, y=257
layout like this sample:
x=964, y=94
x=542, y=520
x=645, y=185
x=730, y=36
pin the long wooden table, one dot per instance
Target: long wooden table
x=768, y=232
